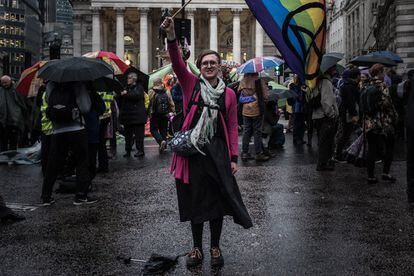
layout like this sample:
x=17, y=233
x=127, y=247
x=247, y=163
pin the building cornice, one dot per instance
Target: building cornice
x=200, y=4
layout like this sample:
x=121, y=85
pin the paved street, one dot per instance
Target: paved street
x=305, y=222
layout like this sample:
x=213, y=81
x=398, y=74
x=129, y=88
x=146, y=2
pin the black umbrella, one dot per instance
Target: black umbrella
x=329, y=60
x=157, y=264
x=143, y=78
x=74, y=69
x=369, y=60
x=278, y=94
x=108, y=83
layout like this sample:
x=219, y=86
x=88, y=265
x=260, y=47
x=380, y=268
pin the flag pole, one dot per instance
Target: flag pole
x=183, y=7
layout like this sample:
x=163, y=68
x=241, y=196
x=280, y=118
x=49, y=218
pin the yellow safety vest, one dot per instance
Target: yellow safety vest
x=108, y=98
x=46, y=123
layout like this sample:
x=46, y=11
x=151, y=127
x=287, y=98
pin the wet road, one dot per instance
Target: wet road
x=305, y=222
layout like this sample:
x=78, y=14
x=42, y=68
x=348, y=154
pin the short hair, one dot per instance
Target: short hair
x=376, y=69
x=133, y=75
x=206, y=53
x=5, y=78
x=353, y=73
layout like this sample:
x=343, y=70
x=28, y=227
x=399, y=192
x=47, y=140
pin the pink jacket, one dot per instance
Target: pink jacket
x=187, y=80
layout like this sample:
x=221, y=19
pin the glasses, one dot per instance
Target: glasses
x=209, y=63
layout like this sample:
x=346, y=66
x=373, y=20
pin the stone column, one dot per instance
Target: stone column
x=77, y=35
x=404, y=33
x=143, y=40
x=213, y=29
x=120, y=32
x=96, y=29
x=259, y=40
x=236, y=35
x=190, y=15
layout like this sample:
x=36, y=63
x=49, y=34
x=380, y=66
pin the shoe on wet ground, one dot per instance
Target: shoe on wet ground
x=139, y=154
x=84, y=200
x=373, y=180
x=389, y=178
x=246, y=156
x=217, y=259
x=48, y=201
x=195, y=257
x=261, y=157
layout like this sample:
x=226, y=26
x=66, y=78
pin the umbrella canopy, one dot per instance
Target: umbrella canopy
x=29, y=82
x=160, y=73
x=369, y=60
x=279, y=92
x=75, y=69
x=142, y=77
x=259, y=64
x=107, y=83
x=329, y=60
x=388, y=54
x=116, y=62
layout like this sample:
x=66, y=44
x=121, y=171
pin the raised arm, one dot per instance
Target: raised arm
x=186, y=78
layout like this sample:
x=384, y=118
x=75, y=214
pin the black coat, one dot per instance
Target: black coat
x=349, y=99
x=410, y=106
x=132, y=106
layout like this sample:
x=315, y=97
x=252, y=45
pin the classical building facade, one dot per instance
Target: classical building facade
x=336, y=28
x=130, y=28
x=394, y=30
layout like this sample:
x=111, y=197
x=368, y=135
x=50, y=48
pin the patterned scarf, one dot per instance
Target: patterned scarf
x=207, y=124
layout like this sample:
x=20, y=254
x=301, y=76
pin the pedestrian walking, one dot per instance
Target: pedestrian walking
x=380, y=119
x=161, y=104
x=12, y=115
x=348, y=110
x=69, y=132
x=325, y=114
x=253, y=114
x=206, y=187
x=409, y=96
x=133, y=115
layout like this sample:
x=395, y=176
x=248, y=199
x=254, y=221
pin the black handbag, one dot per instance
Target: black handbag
x=181, y=142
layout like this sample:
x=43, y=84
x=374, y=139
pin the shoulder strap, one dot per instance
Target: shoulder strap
x=197, y=88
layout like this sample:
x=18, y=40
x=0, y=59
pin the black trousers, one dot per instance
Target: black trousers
x=45, y=150
x=410, y=163
x=92, y=154
x=298, y=127
x=8, y=138
x=309, y=125
x=102, y=153
x=344, y=135
x=326, y=130
x=379, y=146
x=252, y=127
x=159, y=127
x=77, y=142
x=134, y=133
x=216, y=227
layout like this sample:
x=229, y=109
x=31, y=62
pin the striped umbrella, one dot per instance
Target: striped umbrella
x=259, y=64
x=116, y=62
x=29, y=81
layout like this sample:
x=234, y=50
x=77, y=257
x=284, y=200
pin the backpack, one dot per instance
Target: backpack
x=370, y=99
x=62, y=106
x=161, y=103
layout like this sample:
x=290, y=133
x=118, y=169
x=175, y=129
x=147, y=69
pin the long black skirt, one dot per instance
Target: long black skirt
x=212, y=192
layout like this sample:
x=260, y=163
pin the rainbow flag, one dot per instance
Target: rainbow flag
x=298, y=30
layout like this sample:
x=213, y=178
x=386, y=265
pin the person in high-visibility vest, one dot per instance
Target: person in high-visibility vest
x=105, y=119
x=47, y=130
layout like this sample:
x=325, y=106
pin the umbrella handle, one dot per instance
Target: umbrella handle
x=183, y=7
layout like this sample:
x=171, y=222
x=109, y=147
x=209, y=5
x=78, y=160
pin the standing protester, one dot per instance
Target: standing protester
x=161, y=104
x=12, y=115
x=133, y=115
x=104, y=121
x=92, y=125
x=298, y=115
x=409, y=96
x=206, y=187
x=379, y=124
x=177, y=96
x=325, y=113
x=253, y=112
x=348, y=110
x=68, y=133
x=47, y=130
